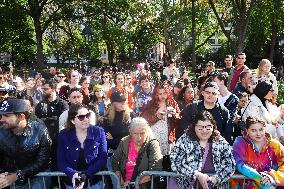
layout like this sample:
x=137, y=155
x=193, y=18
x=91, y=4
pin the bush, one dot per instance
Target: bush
x=280, y=98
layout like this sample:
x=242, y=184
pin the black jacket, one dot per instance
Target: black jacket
x=220, y=114
x=49, y=113
x=29, y=152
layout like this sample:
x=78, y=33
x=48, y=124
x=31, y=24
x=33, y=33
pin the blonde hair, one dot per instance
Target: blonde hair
x=260, y=65
x=141, y=122
x=111, y=114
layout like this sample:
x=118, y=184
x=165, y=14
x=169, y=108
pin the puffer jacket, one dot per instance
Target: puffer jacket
x=28, y=152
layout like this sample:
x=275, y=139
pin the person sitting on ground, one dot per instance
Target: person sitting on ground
x=201, y=157
x=258, y=157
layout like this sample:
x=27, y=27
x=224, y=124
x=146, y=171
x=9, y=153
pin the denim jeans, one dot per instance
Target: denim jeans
x=35, y=183
x=98, y=185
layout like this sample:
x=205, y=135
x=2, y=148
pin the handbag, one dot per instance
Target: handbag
x=172, y=181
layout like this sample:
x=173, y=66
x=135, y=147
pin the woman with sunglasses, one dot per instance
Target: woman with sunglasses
x=259, y=105
x=82, y=150
x=107, y=83
x=73, y=77
x=205, y=161
x=258, y=157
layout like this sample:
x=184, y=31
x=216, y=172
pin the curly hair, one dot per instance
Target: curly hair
x=201, y=116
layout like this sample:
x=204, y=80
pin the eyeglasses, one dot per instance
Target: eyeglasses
x=209, y=93
x=61, y=76
x=208, y=65
x=207, y=127
x=82, y=117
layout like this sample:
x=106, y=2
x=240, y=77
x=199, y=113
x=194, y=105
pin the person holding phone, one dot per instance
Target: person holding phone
x=82, y=150
x=162, y=114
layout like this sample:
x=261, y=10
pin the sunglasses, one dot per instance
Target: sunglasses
x=82, y=117
x=61, y=76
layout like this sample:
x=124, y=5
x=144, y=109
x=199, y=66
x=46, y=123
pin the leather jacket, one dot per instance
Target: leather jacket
x=28, y=152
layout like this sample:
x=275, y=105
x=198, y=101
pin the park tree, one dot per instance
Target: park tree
x=237, y=13
x=16, y=32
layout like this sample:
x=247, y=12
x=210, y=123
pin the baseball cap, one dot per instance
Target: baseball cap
x=211, y=84
x=117, y=97
x=11, y=106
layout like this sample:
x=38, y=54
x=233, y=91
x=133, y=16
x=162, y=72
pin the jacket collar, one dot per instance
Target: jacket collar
x=126, y=140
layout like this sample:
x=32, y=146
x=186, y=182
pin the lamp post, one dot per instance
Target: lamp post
x=88, y=35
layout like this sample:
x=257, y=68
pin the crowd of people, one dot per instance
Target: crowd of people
x=226, y=121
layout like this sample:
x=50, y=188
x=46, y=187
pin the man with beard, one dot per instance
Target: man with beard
x=24, y=147
x=49, y=110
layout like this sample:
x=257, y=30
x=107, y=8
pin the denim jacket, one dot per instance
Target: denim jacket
x=95, y=151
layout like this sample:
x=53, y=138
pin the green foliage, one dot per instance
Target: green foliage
x=280, y=97
x=16, y=31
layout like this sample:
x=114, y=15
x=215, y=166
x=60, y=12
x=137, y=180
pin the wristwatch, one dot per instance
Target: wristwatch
x=20, y=175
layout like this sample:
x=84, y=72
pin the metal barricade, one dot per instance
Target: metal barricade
x=44, y=175
x=171, y=174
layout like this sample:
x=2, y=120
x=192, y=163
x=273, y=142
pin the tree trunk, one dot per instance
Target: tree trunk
x=272, y=41
x=110, y=53
x=39, y=49
x=193, y=58
x=165, y=28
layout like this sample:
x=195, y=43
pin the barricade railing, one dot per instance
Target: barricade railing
x=45, y=175
x=172, y=174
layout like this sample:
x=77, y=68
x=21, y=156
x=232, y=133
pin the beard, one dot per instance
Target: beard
x=46, y=95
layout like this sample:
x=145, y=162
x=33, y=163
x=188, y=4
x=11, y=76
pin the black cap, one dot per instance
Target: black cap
x=11, y=106
x=117, y=97
x=211, y=84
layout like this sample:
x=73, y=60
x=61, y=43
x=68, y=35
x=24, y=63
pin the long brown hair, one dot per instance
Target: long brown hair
x=72, y=112
x=111, y=114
